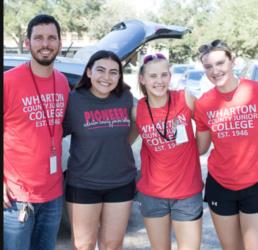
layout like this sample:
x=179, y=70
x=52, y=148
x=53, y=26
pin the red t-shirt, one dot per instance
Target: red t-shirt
x=232, y=120
x=27, y=142
x=168, y=170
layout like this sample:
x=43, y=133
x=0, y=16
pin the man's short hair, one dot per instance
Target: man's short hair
x=42, y=19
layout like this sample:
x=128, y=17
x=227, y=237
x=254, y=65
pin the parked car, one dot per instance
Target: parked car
x=250, y=71
x=72, y=68
x=196, y=82
x=205, y=85
x=237, y=72
x=127, y=38
x=191, y=80
x=177, y=73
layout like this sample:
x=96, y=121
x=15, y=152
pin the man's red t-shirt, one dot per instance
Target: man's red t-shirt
x=27, y=142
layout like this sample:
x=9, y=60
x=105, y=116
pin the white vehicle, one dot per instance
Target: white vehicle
x=177, y=72
x=192, y=79
x=250, y=71
x=70, y=67
x=196, y=82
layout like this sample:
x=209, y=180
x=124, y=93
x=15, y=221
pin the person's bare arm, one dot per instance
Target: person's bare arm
x=6, y=199
x=203, y=141
x=189, y=99
x=134, y=132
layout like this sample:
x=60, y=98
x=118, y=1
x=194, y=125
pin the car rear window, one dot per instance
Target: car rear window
x=195, y=75
x=179, y=70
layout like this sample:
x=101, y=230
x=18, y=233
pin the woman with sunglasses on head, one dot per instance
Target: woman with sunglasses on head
x=100, y=179
x=227, y=116
x=170, y=185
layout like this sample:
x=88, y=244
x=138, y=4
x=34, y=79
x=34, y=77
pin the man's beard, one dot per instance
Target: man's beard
x=44, y=62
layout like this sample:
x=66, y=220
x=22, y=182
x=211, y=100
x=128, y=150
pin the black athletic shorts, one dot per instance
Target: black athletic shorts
x=224, y=201
x=92, y=196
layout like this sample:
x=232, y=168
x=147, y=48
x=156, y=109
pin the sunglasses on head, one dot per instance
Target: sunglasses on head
x=216, y=44
x=149, y=58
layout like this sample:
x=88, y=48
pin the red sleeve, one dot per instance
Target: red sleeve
x=199, y=117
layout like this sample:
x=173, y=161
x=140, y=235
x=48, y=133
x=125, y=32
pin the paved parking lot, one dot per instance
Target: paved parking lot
x=136, y=236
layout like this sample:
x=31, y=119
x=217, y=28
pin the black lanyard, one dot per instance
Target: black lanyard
x=51, y=133
x=163, y=135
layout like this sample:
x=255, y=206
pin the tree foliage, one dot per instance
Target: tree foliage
x=76, y=15
x=235, y=22
x=112, y=12
x=16, y=16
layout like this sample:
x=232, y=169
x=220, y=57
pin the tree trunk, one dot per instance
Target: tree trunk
x=20, y=46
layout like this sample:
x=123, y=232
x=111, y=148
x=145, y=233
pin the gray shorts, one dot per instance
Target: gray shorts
x=180, y=210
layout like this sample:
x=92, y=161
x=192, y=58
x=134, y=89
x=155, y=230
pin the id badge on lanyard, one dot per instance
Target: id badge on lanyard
x=53, y=158
x=181, y=134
